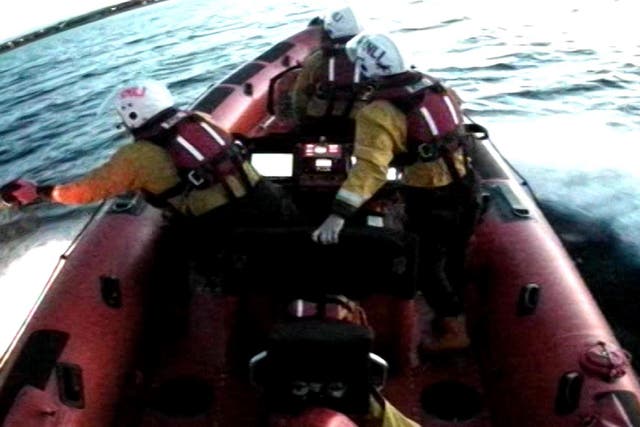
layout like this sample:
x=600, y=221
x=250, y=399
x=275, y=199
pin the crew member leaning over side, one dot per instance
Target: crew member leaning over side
x=415, y=120
x=180, y=161
x=322, y=94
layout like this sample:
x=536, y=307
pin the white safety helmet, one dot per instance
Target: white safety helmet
x=351, y=47
x=375, y=55
x=340, y=23
x=137, y=103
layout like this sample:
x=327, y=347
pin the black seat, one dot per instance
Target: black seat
x=312, y=362
x=286, y=262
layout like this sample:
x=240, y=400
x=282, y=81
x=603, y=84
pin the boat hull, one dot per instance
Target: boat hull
x=101, y=350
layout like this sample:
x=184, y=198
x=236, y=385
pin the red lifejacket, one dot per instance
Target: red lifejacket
x=336, y=82
x=438, y=116
x=332, y=95
x=203, y=154
x=435, y=121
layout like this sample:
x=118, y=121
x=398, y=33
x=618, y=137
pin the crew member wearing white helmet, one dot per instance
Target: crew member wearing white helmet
x=179, y=160
x=414, y=119
x=182, y=162
x=322, y=94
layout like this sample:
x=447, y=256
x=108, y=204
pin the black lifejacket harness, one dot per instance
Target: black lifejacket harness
x=339, y=82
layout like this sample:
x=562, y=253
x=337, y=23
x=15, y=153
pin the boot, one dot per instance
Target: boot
x=452, y=336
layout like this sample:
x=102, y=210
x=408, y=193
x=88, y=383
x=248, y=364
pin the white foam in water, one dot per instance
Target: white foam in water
x=21, y=282
x=580, y=163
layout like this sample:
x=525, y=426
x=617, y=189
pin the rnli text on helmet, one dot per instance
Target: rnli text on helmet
x=376, y=53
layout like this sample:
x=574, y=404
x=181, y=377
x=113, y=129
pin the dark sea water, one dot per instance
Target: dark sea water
x=556, y=83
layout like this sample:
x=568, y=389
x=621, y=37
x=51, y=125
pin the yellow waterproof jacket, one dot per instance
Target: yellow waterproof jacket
x=144, y=166
x=381, y=134
x=384, y=414
x=394, y=418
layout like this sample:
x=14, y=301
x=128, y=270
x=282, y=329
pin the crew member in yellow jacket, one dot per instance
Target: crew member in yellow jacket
x=180, y=161
x=322, y=95
x=414, y=117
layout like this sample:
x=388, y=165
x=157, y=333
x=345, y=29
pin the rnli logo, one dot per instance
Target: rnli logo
x=376, y=53
x=337, y=17
x=133, y=92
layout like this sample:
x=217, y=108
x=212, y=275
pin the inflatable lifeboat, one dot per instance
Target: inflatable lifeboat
x=114, y=341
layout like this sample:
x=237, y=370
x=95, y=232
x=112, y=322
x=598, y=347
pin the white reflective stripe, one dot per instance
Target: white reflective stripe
x=213, y=133
x=430, y=121
x=429, y=79
x=452, y=110
x=268, y=122
x=350, y=198
x=375, y=221
x=190, y=148
x=356, y=74
x=171, y=121
x=621, y=410
x=332, y=69
x=299, y=308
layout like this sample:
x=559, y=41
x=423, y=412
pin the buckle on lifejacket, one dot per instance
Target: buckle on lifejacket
x=323, y=90
x=428, y=151
x=195, y=178
x=364, y=91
